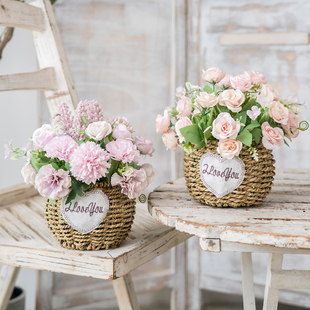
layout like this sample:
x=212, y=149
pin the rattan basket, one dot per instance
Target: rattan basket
x=109, y=234
x=254, y=188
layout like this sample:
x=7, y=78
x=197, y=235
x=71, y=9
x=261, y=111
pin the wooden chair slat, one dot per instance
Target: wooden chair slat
x=18, y=14
x=44, y=79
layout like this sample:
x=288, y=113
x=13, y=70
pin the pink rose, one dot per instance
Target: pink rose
x=149, y=172
x=122, y=150
x=170, y=140
x=291, y=128
x=145, y=146
x=121, y=132
x=43, y=135
x=51, y=183
x=278, y=112
x=213, y=74
x=267, y=95
x=162, y=122
x=272, y=137
x=229, y=148
x=241, y=82
x=180, y=92
x=224, y=126
x=255, y=77
x=232, y=99
x=225, y=81
x=183, y=108
x=207, y=100
x=183, y=122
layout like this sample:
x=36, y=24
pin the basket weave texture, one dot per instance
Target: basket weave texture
x=109, y=234
x=255, y=187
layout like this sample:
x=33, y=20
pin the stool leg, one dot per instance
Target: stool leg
x=247, y=281
x=125, y=293
x=271, y=296
x=8, y=276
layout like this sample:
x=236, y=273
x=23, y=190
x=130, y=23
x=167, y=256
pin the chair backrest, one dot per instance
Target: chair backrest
x=54, y=76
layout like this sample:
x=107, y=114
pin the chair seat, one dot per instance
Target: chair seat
x=25, y=241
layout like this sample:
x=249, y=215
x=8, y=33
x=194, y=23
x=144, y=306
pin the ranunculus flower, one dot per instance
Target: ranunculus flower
x=133, y=182
x=61, y=147
x=121, y=132
x=241, y=82
x=278, y=112
x=145, y=146
x=29, y=174
x=272, y=137
x=89, y=162
x=291, y=128
x=229, y=148
x=170, y=140
x=254, y=112
x=180, y=92
x=213, y=74
x=267, y=95
x=162, y=122
x=225, y=81
x=43, y=135
x=224, y=126
x=183, y=108
x=122, y=150
x=183, y=122
x=255, y=77
x=232, y=99
x=52, y=183
x=98, y=130
x=149, y=172
x=207, y=100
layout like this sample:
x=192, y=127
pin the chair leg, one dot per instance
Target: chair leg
x=247, y=281
x=8, y=276
x=125, y=293
x=271, y=296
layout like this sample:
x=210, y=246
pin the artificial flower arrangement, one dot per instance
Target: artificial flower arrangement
x=82, y=152
x=233, y=115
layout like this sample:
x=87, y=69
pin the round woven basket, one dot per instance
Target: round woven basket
x=109, y=234
x=255, y=187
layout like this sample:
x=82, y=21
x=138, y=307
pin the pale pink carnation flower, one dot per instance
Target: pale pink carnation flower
x=145, y=146
x=61, y=147
x=116, y=120
x=183, y=107
x=51, y=183
x=133, y=182
x=122, y=150
x=89, y=163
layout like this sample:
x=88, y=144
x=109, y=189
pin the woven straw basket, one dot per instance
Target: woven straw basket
x=254, y=188
x=109, y=234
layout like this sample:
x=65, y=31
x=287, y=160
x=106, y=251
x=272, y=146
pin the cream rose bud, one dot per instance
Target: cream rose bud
x=29, y=174
x=225, y=81
x=272, y=137
x=207, y=100
x=170, y=140
x=224, y=126
x=149, y=172
x=278, y=112
x=213, y=74
x=232, y=99
x=98, y=130
x=229, y=148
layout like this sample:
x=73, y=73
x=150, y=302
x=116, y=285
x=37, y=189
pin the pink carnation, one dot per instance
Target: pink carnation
x=133, y=182
x=122, y=150
x=61, y=147
x=145, y=146
x=89, y=163
x=52, y=183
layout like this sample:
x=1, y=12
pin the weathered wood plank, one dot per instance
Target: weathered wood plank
x=16, y=192
x=44, y=79
x=19, y=14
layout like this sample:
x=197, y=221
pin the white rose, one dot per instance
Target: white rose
x=149, y=172
x=29, y=174
x=98, y=130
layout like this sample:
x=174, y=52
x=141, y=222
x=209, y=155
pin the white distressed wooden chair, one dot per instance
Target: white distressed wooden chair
x=25, y=240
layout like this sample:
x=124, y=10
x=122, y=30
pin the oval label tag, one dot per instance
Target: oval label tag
x=87, y=212
x=219, y=175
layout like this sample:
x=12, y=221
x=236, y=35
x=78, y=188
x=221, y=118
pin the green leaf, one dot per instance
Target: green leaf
x=286, y=143
x=134, y=165
x=252, y=125
x=245, y=137
x=174, y=112
x=188, y=85
x=53, y=1
x=112, y=169
x=257, y=134
x=191, y=134
x=79, y=142
x=55, y=166
x=208, y=89
x=84, y=120
x=222, y=108
x=77, y=189
x=207, y=133
x=67, y=166
x=241, y=115
x=36, y=164
x=249, y=105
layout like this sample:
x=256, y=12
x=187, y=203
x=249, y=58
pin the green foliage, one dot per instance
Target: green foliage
x=208, y=89
x=257, y=134
x=192, y=134
x=245, y=137
x=242, y=116
x=134, y=165
x=77, y=188
x=37, y=164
